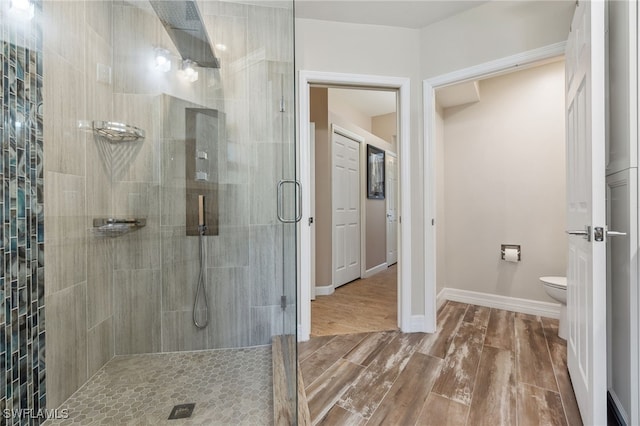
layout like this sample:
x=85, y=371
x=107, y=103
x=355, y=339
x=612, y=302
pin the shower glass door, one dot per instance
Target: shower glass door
x=184, y=237
x=220, y=122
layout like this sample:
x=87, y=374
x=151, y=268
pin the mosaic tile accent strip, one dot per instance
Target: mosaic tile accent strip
x=22, y=371
x=228, y=387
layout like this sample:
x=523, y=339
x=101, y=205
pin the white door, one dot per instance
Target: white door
x=586, y=269
x=346, y=209
x=391, y=185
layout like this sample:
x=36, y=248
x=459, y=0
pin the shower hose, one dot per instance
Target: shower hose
x=200, y=286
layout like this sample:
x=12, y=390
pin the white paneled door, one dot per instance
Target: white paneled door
x=586, y=269
x=346, y=208
x=391, y=186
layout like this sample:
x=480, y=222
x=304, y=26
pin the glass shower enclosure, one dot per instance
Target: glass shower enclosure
x=156, y=212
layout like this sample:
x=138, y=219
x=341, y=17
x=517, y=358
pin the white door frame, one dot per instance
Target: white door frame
x=487, y=69
x=305, y=79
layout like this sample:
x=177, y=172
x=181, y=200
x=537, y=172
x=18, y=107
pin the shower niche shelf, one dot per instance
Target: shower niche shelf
x=117, y=132
x=111, y=227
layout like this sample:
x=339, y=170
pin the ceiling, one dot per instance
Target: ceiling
x=395, y=13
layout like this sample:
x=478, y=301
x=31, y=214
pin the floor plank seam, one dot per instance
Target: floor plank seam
x=555, y=374
x=413, y=351
x=475, y=377
x=516, y=364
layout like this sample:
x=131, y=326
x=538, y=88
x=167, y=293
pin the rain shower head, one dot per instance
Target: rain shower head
x=182, y=20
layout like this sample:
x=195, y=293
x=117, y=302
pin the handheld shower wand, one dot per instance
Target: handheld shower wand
x=202, y=227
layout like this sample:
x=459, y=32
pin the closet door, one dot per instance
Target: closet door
x=346, y=208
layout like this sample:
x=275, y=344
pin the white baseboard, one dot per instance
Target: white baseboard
x=441, y=298
x=324, y=290
x=369, y=272
x=515, y=304
x=302, y=335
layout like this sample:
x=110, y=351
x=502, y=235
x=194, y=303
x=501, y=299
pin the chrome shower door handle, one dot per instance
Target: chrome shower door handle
x=298, y=195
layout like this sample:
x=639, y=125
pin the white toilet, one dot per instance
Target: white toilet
x=556, y=287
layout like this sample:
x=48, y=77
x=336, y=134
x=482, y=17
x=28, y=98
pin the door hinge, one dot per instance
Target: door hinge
x=282, y=105
x=310, y=221
x=283, y=302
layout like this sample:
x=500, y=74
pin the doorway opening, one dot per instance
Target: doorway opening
x=353, y=189
x=395, y=147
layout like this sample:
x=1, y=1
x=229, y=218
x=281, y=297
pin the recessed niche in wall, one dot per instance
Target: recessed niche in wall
x=204, y=132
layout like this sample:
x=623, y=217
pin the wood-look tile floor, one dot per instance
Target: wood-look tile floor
x=368, y=304
x=483, y=367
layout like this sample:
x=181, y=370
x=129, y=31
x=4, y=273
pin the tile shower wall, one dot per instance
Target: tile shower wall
x=134, y=294
x=244, y=271
x=22, y=334
x=79, y=284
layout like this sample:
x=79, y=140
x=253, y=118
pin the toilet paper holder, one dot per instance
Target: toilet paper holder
x=504, y=247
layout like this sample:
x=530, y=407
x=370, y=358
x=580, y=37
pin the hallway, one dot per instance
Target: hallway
x=364, y=305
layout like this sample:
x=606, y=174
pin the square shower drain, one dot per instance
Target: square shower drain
x=182, y=411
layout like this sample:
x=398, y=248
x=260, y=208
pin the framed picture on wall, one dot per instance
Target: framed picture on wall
x=375, y=173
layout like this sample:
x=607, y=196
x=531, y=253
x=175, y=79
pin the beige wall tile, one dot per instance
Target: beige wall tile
x=266, y=322
x=229, y=248
x=100, y=346
x=99, y=279
x=137, y=311
x=64, y=27
x=180, y=334
x=64, y=205
x=99, y=16
x=179, y=281
x=230, y=313
x=64, y=105
x=265, y=265
x=66, y=330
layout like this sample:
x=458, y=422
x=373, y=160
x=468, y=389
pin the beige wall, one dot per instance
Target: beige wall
x=357, y=49
x=385, y=126
x=376, y=233
x=504, y=183
x=348, y=112
x=319, y=114
x=492, y=30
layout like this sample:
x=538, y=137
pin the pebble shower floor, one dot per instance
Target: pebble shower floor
x=228, y=386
